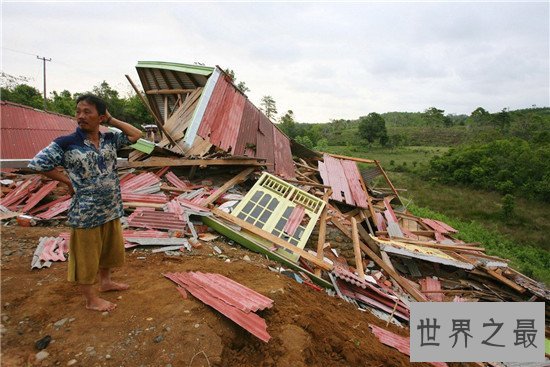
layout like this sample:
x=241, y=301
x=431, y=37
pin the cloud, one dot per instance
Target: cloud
x=321, y=60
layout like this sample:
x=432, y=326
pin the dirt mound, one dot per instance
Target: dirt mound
x=154, y=326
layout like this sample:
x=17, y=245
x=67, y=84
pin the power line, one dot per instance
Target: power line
x=20, y=52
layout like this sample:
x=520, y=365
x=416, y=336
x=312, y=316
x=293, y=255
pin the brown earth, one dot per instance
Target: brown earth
x=154, y=326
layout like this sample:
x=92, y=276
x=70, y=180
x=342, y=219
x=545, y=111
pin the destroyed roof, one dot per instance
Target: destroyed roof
x=26, y=130
x=199, y=110
x=158, y=76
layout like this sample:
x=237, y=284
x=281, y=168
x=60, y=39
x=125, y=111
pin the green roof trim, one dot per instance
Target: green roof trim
x=144, y=146
x=184, y=68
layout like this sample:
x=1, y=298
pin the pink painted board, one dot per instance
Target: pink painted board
x=401, y=343
x=294, y=219
x=354, y=182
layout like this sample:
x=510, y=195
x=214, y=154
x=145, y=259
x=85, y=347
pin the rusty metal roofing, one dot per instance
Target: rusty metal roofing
x=228, y=297
x=401, y=343
x=222, y=116
x=344, y=178
x=25, y=130
x=56, y=209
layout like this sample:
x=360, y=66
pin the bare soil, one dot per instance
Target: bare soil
x=154, y=326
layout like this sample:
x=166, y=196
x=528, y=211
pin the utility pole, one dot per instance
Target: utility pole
x=44, y=61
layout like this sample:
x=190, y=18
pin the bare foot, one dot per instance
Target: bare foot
x=113, y=286
x=100, y=304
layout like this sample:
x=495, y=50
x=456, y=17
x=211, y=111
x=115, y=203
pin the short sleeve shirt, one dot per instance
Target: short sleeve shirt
x=93, y=174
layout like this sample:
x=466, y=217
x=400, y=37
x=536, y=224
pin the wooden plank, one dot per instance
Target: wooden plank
x=306, y=183
x=157, y=121
x=272, y=238
x=249, y=242
x=174, y=189
x=175, y=162
x=371, y=254
x=354, y=182
x=306, y=166
x=506, y=281
x=440, y=246
x=357, y=249
x=242, y=176
x=361, y=160
x=388, y=180
x=169, y=91
x=322, y=231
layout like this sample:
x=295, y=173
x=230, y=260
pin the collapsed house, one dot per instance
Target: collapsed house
x=335, y=226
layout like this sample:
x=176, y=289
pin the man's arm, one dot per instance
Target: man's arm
x=132, y=132
x=57, y=175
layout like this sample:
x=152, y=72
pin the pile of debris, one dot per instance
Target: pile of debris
x=336, y=227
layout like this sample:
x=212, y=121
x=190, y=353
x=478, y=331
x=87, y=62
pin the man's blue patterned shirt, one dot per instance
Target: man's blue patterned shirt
x=93, y=174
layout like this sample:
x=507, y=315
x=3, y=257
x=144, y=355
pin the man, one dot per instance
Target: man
x=89, y=159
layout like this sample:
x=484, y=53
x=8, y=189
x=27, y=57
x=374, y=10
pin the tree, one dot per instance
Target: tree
x=373, y=127
x=115, y=104
x=434, y=116
x=305, y=141
x=135, y=111
x=502, y=120
x=287, y=124
x=23, y=94
x=267, y=105
x=62, y=103
x=240, y=85
x=480, y=116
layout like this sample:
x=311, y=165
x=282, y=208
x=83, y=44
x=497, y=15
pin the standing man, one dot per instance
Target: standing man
x=89, y=159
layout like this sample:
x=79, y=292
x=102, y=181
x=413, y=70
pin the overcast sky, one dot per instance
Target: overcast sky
x=322, y=60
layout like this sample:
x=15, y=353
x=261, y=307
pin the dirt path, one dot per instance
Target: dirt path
x=154, y=326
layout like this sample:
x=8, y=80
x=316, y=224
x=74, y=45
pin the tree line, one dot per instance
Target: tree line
x=128, y=108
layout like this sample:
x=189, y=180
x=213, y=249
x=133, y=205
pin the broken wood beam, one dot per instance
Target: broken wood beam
x=306, y=166
x=174, y=189
x=322, y=231
x=169, y=91
x=388, y=181
x=361, y=160
x=415, y=293
x=272, y=238
x=357, y=249
x=242, y=176
x=506, y=281
x=306, y=183
x=157, y=120
x=175, y=162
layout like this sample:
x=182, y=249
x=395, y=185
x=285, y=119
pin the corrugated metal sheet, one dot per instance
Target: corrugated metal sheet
x=56, y=209
x=398, y=342
x=35, y=198
x=228, y=297
x=25, y=130
x=155, y=219
x=228, y=119
x=344, y=178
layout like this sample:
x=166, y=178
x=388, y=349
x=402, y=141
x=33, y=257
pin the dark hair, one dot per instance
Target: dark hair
x=99, y=103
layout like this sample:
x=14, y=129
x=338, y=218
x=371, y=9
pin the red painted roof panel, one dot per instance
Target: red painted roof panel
x=228, y=297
